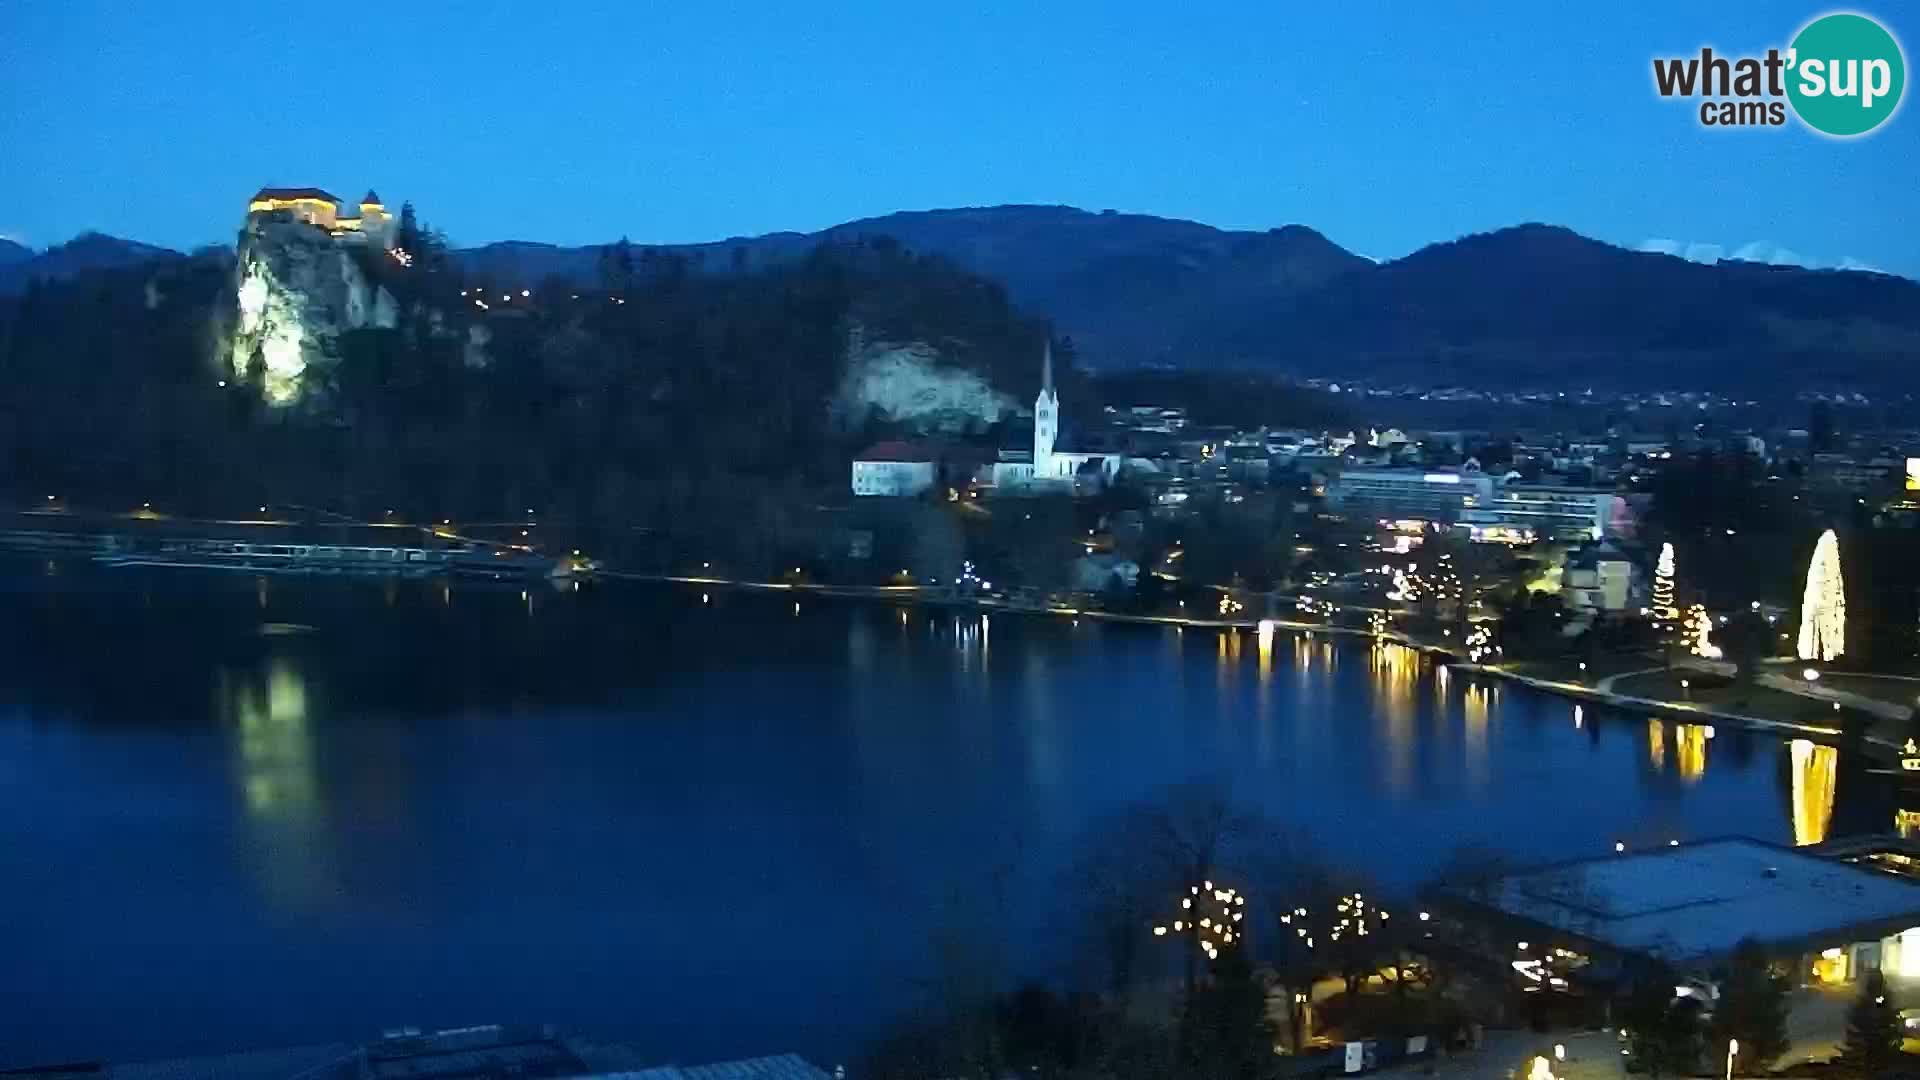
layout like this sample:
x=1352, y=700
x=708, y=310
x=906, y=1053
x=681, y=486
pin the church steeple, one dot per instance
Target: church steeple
x=1046, y=417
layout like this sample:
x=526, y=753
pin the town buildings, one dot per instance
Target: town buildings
x=1600, y=578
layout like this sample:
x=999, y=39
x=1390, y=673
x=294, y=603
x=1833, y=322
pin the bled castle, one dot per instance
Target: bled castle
x=369, y=223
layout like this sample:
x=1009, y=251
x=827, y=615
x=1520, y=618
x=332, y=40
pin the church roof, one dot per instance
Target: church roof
x=295, y=193
x=371, y=197
x=895, y=450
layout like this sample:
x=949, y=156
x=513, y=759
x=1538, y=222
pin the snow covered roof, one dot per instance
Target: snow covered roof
x=1698, y=900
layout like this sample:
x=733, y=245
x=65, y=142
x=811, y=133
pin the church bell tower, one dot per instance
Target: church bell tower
x=1046, y=417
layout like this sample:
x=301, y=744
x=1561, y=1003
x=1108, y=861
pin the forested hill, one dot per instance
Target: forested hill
x=1528, y=307
x=670, y=399
x=1130, y=288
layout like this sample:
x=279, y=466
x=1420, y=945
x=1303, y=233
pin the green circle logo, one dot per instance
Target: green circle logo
x=1846, y=76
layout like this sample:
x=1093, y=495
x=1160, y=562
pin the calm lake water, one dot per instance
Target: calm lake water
x=710, y=826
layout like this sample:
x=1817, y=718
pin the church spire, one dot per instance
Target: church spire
x=1046, y=367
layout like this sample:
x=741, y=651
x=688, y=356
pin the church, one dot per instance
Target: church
x=1051, y=468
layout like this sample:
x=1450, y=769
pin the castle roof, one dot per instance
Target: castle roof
x=285, y=193
x=371, y=198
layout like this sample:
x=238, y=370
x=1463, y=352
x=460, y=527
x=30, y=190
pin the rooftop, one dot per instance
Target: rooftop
x=895, y=450
x=1699, y=900
x=294, y=193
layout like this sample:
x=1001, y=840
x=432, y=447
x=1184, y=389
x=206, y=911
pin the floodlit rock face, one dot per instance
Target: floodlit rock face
x=297, y=291
x=910, y=383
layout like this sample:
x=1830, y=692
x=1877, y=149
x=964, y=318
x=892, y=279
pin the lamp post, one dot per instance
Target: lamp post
x=1733, y=1047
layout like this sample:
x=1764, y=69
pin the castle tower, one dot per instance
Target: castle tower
x=1046, y=417
x=374, y=219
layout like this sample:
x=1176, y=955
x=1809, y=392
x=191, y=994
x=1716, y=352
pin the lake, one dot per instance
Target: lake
x=243, y=812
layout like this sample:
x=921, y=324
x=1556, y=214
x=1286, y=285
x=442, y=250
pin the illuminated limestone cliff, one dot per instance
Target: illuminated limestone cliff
x=297, y=291
x=909, y=383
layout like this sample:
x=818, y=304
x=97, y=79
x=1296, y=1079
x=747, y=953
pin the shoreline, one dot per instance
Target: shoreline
x=1879, y=747
x=1671, y=710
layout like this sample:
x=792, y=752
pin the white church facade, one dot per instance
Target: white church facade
x=1050, y=466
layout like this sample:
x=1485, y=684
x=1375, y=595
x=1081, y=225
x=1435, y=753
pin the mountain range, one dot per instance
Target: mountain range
x=1532, y=305
x=1537, y=305
x=86, y=252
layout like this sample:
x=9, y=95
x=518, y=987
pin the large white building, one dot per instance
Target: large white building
x=1600, y=578
x=1545, y=512
x=1433, y=496
x=1493, y=509
x=893, y=468
x=1051, y=466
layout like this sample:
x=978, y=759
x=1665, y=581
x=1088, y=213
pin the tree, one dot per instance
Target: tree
x=1746, y=640
x=1820, y=427
x=1224, y=1026
x=1190, y=830
x=1874, y=1031
x=1662, y=1030
x=1752, y=1008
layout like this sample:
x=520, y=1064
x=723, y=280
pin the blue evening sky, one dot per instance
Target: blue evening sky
x=1385, y=125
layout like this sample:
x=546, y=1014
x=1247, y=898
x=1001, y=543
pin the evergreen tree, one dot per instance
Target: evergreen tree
x=1663, y=1031
x=406, y=234
x=1225, y=1029
x=1752, y=1008
x=1874, y=1031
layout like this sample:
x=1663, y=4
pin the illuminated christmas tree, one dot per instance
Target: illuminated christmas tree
x=1823, y=607
x=1664, y=613
x=1666, y=617
x=1699, y=629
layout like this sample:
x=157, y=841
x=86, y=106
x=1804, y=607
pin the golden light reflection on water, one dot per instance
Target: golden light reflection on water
x=1396, y=670
x=1475, y=703
x=1815, y=772
x=1690, y=751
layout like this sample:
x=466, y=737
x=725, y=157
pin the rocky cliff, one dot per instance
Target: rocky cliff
x=912, y=384
x=297, y=290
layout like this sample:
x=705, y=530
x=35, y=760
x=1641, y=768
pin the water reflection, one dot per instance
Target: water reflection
x=1814, y=770
x=1475, y=703
x=1396, y=669
x=279, y=782
x=1690, y=751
